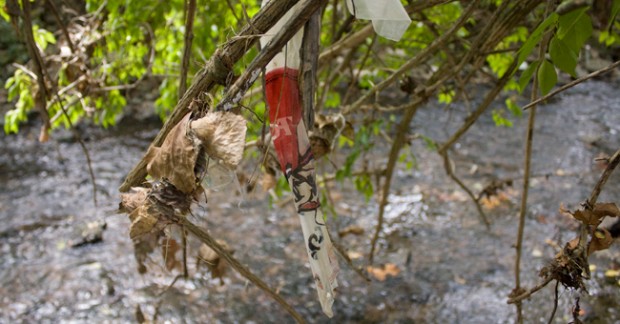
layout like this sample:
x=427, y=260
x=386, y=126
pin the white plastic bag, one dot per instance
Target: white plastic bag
x=389, y=18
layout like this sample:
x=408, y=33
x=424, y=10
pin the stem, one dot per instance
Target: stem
x=519, y=298
x=555, y=302
x=399, y=140
x=343, y=253
x=42, y=95
x=527, y=166
x=62, y=25
x=596, y=191
x=41, y=73
x=308, y=67
x=187, y=47
x=450, y=172
x=184, y=243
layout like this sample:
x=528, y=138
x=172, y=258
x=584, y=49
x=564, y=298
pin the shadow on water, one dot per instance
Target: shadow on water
x=450, y=269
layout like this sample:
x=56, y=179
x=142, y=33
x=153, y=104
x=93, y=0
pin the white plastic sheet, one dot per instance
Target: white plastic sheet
x=389, y=18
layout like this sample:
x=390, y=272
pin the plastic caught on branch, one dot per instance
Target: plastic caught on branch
x=389, y=18
x=292, y=146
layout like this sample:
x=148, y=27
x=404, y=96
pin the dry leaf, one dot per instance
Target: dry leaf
x=268, y=181
x=596, y=215
x=176, y=159
x=351, y=229
x=141, y=222
x=354, y=255
x=383, y=272
x=222, y=135
x=601, y=240
x=133, y=199
x=326, y=129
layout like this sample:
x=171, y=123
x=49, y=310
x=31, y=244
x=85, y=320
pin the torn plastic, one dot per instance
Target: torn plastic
x=292, y=146
x=389, y=18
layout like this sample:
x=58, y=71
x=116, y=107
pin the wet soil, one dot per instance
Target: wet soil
x=450, y=268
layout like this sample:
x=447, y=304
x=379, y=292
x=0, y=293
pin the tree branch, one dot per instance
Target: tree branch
x=187, y=47
x=215, y=72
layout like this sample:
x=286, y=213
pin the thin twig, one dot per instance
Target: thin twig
x=204, y=237
x=555, y=302
x=187, y=46
x=62, y=25
x=530, y=292
x=399, y=140
x=356, y=77
x=572, y=84
x=596, y=191
x=527, y=168
x=184, y=243
x=41, y=72
x=591, y=202
x=309, y=67
x=343, y=253
x=450, y=171
x=40, y=96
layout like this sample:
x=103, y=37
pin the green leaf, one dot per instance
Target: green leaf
x=430, y=144
x=513, y=107
x=500, y=121
x=3, y=13
x=535, y=37
x=446, y=97
x=547, y=77
x=526, y=76
x=562, y=56
x=574, y=29
x=568, y=21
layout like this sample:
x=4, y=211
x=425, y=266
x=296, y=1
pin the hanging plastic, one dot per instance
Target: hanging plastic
x=389, y=18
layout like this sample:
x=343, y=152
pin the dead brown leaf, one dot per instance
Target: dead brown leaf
x=222, y=135
x=176, y=159
x=596, y=215
x=142, y=222
x=381, y=273
x=133, y=199
x=601, y=240
x=268, y=181
x=351, y=229
x=326, y=129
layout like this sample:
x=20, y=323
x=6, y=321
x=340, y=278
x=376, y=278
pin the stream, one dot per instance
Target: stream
x=441, y=265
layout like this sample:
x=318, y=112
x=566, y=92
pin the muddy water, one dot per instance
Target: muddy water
x=450, y=269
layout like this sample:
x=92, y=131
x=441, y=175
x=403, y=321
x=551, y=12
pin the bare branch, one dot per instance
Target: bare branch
x=187, y=47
